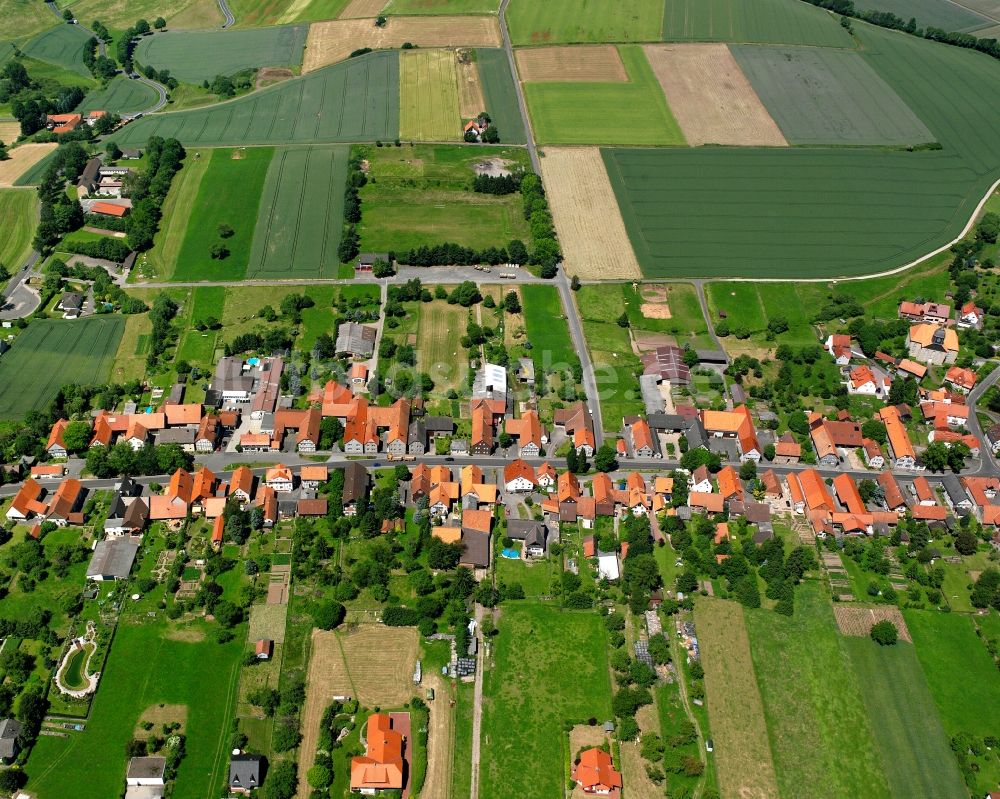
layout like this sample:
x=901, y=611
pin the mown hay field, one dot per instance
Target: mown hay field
x=500, y=95
x=355, y=101
x=428, y=96
x=774, y=21
x=633, y=113
x=439, y=353
x=63, y=46
x=361, y=9
x=571, y=21
x=587, y=62
x=194, y=56
x=743, y=755
x=470, y=91
x=120, y=96
x=22, y=159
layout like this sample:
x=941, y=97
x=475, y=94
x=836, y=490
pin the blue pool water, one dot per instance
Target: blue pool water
x=512, y=554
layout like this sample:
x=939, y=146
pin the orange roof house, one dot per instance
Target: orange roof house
x=108, y=209
x=27, y=501
x=814, y=490
x=918, y=370
x=336, y=400
x=963, y=378
x=189, y=413
x=381, y=768
x=787, y=447
x=447, y=534
x=102, y=432
x=203, y=484
x=528, y=430
x=730, y=486
x=711, y=503
x=181, y=485
x=482, y=428
x=64, y=123
x=721, y=532
x=519, y=473
x=595, y=773
x=218, y=527
x=899, y=441
x=241, y=483
x=55, y=444
x=481, y=521
x=848, y=494
x=568, y=487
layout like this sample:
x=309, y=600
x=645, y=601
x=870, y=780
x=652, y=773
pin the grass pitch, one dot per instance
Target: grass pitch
x=767, y=21
x=120, y=96
x=62, y=46
x=18, y=216
x=428, y=96
x=52, y=353
x=571, y=21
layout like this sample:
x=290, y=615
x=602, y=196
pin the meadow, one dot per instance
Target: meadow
x=914, y=748
x=300, y=215
x=118, y=15
x=439, y=353
x=229, y=194
x=52, y=353
x=194, y=56
x=571, y=21
x=120, y=96
x=19, y=212
x=500, y=95
x=62, y=46
x=546, y=328
x=811, y=694
x=763, y=21
x=177, y=209
x=428, y=96
x=354, y=101
x=633, y=113
x=254, y=13
x=23, y=16
x=527, y=691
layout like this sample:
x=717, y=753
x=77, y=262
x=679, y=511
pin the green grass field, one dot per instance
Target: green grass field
x=772, y=21
x=428, y=96
x=419, y=196
x=194, y=56
x=545, y=324
x=633, y=113
x=571, y=21
x=448, y=7
x=62, y=46
x=812, y=694
x=120, y=96
x=300, y=215
x=824, y=96
x=52, y=353
x=550, y=667
x=933, y=13
x=145, y=668
x=357, y=100
x=254, y=13
x=18, y=217
x=500, y=94
x=229, y=193
x=23, y=17
x=50, y=71
x=914, y=748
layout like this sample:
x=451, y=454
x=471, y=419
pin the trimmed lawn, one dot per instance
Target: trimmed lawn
x=535, y=577
x=19, y=215
x=545, y=324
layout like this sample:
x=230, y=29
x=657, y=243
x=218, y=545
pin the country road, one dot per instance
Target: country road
x=230, y=19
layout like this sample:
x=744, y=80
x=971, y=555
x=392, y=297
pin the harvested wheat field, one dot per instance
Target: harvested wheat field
x=470, y=91
x=593, y=63
x=588, y=222
x=858, y=621
x=710, y=96
x=360, y=9
x=22, y=158
x=9, y=131
x=333, y=41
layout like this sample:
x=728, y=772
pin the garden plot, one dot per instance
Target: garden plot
x=597, y=62
x=858, y=621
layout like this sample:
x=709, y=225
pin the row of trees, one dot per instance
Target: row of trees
x=349, y=238
x=59, y=214
x=149, y=190
x=100, y=66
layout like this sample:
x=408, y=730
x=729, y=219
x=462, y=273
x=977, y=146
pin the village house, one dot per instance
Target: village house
x=932, y=344
x=175, y=502
x=529, y=433
x=787, y=450
x=736, y=424
x=382, y=767
x=839, y=346
x=595, y=773
x=356, y=482
x=71, y=304
x=863, y=380
x=356, y=339
x=519, y=477
x=962, y=379
x=700, y=481
x=970, y=315
x=532, y=535
x=241, y=484
x=873, y=454
x=245, y=773
x=280, y=478
x=578, y=424
x=912, y=369
x=56, y=447
x=900, y=448
x=113, y=559
x=934, y=313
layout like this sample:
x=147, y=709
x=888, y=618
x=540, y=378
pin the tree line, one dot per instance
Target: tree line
x=149, y=190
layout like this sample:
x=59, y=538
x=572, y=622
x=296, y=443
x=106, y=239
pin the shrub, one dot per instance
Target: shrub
x=884, y=633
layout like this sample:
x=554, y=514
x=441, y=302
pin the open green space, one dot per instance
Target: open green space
x=825, y=96
x=812, y=694
x=942, y=14
x=447, y=7
x=570, y=21
x=229, y=194
x=500, y=95
x=52, y=353
x=301, y=212
x=23, y=18
x=147, y=666
x=18, y=216
x=550, y=668
x=914, y=748
x=633, y=113
x=195, y=56
x=546, y=328
x=120, y=96
x=769, y=21
x=260, y=13
x=535, y=577
x=420, y=195
x=62, y=46
x=357, y=100
x=33, y=175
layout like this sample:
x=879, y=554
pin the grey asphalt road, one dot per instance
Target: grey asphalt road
x=18, y=300
x=988, y=463
x=230, y=19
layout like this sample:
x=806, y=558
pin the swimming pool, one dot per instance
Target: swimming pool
x=511, y=554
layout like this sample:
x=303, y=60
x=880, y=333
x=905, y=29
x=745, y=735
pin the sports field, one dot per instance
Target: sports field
x=500, y=95
x=766, y=21
x=824, y=96
x=944, y=14
x=62, y=45
x=569, y=21
x=355, y=101
x=52, y=353
x=539, y=681
x=914, y=748
x=229, y=194
x=18, y=217
x=633, y=113
x=428, y=96
x=194, y=56
x=811, y=694
x=301, y=213
x=120, y=96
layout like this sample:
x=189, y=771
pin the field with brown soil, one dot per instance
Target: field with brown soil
x=268, y=76
x=710, y=96
x=22, y=158
x=333, y=41
x=9, y=131
x=470, y=92
x=588, y=62
x=359, y=9
x=858, y=621
x=580, y=193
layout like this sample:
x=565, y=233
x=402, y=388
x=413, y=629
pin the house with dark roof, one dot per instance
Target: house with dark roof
x=533, y=535
x=10, y=740
x=113, y=559
x=71, y=304
x=356, y=482
x=246, y=772
x=356, y=339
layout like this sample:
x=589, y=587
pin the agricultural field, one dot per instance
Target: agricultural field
x=914, y=748
x=500, y=95
x=765, y=21
x=470, y=90
x=442, y=6
x=949, y=16
x=596, y=63
x=811, y=693
x=120, y=96
x=823, y=96
x=229, y=194
x=257, y=14
x=634, y=113
x=119, y=15
x=180, y=666
x=19, y=215
x=573, y=21
x=527, y=690
x=362, y=9
x=710, y=96
x=22, y=16
x=195, y=56
x=26, y=164
x=739, y=730
x=300, y=215
x=428, y=96
x=356, y=101
x=52, y=353
x=62, y=46
x=419, y=195
x=333, y=41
